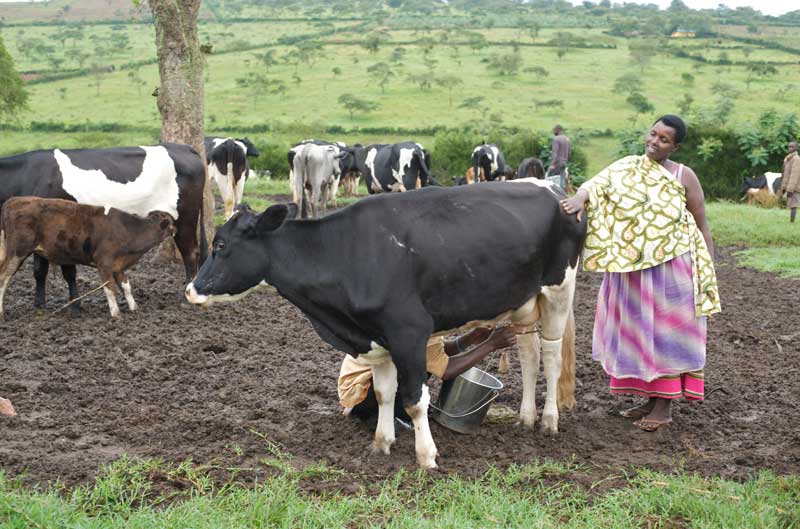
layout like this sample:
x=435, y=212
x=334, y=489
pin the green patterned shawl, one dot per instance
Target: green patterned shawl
x=638, y=219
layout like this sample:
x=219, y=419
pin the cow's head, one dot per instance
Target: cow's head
x=251, y=149
x=163, y=224
x=239, y=260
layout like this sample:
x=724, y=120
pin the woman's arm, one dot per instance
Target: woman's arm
x=500, y=338
x=695, y=203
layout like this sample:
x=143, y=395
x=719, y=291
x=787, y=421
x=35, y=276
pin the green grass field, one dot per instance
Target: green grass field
x=152, y=495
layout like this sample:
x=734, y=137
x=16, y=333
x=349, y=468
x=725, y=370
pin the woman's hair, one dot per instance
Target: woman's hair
x=674, y=122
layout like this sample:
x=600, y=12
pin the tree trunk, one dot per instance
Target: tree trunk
x=181, y=95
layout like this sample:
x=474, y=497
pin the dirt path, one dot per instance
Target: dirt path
x=178, y=382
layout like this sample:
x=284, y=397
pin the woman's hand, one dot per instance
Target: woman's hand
x=503, y=337
x=574, y=204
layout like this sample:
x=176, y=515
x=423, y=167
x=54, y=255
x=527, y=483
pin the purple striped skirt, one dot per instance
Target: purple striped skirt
x=645, y=327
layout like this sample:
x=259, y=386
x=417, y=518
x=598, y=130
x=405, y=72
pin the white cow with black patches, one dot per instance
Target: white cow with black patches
x=394, y=167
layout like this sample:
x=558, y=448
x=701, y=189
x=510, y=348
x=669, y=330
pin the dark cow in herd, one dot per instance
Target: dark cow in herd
x=67, y=233
x=393, y=167
x=379, y=277
x=228, y=166
x=137, y=180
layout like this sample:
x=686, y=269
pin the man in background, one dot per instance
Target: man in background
x=559, y=156
x=790, y=181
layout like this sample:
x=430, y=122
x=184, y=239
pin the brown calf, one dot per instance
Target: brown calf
x=67, y=233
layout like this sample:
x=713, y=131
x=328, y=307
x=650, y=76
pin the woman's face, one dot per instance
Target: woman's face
x=660, y=142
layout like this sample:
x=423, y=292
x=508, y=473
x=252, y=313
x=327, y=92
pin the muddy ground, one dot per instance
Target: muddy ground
x=229, y=385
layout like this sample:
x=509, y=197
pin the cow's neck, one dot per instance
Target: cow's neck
x=298, y=254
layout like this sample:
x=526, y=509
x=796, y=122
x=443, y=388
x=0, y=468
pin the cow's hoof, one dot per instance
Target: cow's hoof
x=527, y=421
x=428, y=462
x=382, y=446
x=550, y=424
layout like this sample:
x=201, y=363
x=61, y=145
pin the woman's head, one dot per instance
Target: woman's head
x=664, y=137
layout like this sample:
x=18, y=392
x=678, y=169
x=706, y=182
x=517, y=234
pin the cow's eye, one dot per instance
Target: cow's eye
x=219, y=246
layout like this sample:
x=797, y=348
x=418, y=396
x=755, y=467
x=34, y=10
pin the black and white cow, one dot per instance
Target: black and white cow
x=228, y=166
x=347, y=169
x=138, y=180
x=382, y=275
x=770, y=182
x=490, y=159
x=316, y=169
x=393, y=167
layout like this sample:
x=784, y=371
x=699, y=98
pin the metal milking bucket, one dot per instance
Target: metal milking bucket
x=463, y=401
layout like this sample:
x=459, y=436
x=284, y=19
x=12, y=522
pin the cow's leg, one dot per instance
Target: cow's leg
x=70, y=275
x=186, y=240
x=555, y=304
x=8, y=267
x=529, y=348
x=384, y=376
x=40, y=269
x=124, y=284
x=107, y=280
x=408, y=351
x=238, y=192
x=225, y=186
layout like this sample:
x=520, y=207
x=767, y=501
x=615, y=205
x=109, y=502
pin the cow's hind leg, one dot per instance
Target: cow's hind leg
x=555, y=305
x=107, y=280
x=125, y=285
x=384, y=376
x=186, y=240
x=8, y=267
x=40, y=268
x=408, y=354
x=70, y=275
x=528, y=348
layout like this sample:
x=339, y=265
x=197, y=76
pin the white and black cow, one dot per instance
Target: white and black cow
x=490, y=159
x=382, y=275
x=769, y=182
x=347, y=169
x=393, y=167
x=228, y=166
x=316, y=169
x=138, y=180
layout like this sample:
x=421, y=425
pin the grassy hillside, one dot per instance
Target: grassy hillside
x=295, y=92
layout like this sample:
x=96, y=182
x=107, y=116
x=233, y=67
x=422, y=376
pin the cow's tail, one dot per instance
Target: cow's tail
x=424, y=166
x=566, y=382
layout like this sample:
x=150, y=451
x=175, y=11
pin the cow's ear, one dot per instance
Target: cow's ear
x=274, y=217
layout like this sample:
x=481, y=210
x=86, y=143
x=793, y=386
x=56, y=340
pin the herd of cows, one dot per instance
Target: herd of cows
x=377, y=278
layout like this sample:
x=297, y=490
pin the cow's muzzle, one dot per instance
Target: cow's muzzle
x=194, y=298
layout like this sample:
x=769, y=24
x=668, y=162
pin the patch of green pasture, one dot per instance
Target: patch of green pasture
x=519, y=497
x=783, y=261
x=751, y=226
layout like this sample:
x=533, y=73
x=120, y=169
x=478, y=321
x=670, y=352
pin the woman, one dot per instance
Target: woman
x=648, y=233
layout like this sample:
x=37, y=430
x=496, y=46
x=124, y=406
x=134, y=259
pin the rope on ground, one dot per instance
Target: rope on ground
x=79, y=298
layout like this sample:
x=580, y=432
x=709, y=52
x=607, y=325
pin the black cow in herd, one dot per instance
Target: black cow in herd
x=168, y=177
x=380, y=276
x=228, y=166
x=393, y=167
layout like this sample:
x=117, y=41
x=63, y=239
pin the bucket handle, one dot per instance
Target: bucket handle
x=479, y=407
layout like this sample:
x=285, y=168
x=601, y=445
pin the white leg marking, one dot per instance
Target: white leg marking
x=112, y=301
x=126, y=289
x=551, y=358
x=238, y=191
x=529, y=348
x=423, y=440
x=384, y=376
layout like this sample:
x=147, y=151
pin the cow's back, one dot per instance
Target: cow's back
x=490, y=245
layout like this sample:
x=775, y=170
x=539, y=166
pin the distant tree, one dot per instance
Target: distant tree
x=136, y=80
x=62, y=92
x=533, y=30
x=677, y=6
x=13, y=96
x=685, y=103
x=563, y=42
x=538, y=71
x=641, y=53
x=506, y=63
x=472, y=102
x=397, y=55
x=628, y=83
x=757, y=71
x=55, y=62
x=476, y=41
x=747, y=51
x=426, y=44
x=373, y=42
x=687, y=78
x=382, y=73
x=297, y=79
x=724, y=58
x=449, y=82
x=421, y=79
x=725, y=89
x=98, y=73
x=639, y=103
x=355, y=104
x=257, y=83
x=752, y=28
x=267, y=59
x=277, y=86
x=336, y=71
